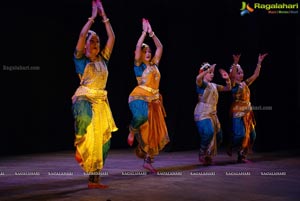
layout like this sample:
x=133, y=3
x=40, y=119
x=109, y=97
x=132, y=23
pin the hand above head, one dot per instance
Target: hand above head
x=261, y=57
x=224, y=74
x=149, y=27
x=145, y=25
x=94, y=9
x=99, y=7
x=236, y=58
x=212, y=66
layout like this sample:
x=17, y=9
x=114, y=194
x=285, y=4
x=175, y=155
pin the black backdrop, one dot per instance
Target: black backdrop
x=36, y=104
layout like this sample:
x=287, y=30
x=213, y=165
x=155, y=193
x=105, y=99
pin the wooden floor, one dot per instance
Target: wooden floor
x=272, y=176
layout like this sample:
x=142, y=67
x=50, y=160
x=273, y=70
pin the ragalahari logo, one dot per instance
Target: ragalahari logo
x=246, y=9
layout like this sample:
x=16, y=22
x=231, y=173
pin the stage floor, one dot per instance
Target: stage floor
x=272, y=176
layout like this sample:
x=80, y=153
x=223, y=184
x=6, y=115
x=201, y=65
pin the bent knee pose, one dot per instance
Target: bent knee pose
x=205, y=113
x=148, y=125
x=243, y=121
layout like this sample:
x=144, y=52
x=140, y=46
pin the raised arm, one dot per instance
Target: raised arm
x=82, y=36
x=159, y=46
x=233, y=70
x=110, y=33
x=138, y=48
x=255, y=75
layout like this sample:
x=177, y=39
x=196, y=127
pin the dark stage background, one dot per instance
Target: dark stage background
x=36, y=104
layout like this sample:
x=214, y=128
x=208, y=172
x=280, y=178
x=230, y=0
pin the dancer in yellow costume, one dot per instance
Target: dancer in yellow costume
x=94, y=122
x=145, y=102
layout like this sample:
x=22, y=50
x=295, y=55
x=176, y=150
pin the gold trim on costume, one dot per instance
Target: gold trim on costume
x=149, y=89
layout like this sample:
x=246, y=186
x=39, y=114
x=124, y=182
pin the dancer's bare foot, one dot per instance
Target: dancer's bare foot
x=205, y=160
x=130, y=139
x=149, y=167
x=243, y=159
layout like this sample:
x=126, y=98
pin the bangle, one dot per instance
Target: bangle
x=91, y=19
x=106, y=20
x=151, y=34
